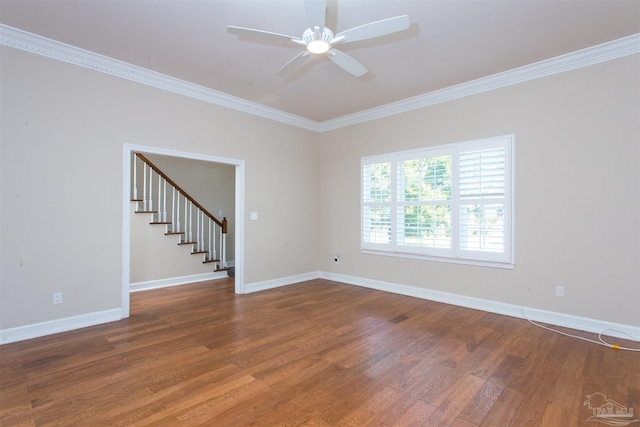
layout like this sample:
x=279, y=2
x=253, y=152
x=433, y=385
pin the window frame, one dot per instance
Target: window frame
x=454, y=254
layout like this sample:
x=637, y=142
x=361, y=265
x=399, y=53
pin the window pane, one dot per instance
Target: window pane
x=450, y=202
x=426, y=226
x=376, y=224
x=425, y=179
x=482, y=227
x=376, y=181
x=482, y=173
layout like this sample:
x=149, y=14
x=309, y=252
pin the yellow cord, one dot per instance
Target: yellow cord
x=601, y=342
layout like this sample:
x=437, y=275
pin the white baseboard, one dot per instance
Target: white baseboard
x=548, y=317
x=22, y=333
x=42, y=329
x=175, y=281
x=276, y=283
x=50, y=327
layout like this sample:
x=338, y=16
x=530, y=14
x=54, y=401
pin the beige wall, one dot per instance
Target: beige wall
x=577, y=187
x=576, y=192
x=62, y=136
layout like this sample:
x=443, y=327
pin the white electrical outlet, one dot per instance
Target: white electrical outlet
x=57, y=298
x=559, y=291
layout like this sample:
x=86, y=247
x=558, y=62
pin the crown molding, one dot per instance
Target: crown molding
x=22, y=40
x=572, y=61
x=18, y=39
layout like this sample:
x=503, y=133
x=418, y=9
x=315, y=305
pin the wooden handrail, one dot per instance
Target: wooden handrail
x=222, y=224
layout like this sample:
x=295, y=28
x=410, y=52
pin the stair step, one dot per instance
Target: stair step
x=187, y=243
x=198, y=252
x=173, y=232
x=161, y=222
x=137, y=200
x=154, y=212
x=210, y=260
x=221, y=269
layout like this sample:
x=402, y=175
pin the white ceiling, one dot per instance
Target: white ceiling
x=448, y=43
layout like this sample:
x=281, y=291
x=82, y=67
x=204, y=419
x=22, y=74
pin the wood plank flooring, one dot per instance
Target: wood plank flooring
x=317, y=353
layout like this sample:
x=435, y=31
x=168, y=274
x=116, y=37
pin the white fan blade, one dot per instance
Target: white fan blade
x=316, y=13
x=266, y=35
x=346, y=62
x=374, y=29
x=293, y=64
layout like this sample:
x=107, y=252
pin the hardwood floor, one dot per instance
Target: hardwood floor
x=317, y=353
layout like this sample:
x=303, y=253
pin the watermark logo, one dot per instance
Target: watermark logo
x=607, y=411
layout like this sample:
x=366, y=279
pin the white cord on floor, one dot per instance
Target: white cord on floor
x=600, y=342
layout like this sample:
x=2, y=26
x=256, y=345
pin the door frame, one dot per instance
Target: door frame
x=127, y=152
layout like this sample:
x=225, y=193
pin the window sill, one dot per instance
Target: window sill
x=494, y=264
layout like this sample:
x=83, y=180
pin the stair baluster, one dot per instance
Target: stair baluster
x=203, y=239
x=177, y=229
x=135, y=181
x=190, y=222
x=201, y=232
x=144, y=187
x=223, y=261
x=173, y=211
x=212, y=234
x=150, y=202
x=161, y=200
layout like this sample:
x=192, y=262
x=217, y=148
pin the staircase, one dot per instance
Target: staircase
x=170, y=206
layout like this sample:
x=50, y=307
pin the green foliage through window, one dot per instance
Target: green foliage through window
x=426, y=178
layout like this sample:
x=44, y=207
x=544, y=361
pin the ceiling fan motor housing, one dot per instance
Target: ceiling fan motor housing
x=313, y=34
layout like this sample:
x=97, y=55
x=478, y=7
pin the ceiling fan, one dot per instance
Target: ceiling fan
x=320, y=40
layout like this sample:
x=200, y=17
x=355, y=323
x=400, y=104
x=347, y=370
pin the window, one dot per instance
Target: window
x=450, y=203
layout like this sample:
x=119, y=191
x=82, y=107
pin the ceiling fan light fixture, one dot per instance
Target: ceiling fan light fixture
x=318, y=46
x=317, y=42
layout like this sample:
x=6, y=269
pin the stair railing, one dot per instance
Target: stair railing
x=181, y=214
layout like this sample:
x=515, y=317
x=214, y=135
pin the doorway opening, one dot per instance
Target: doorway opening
x=238, y=219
